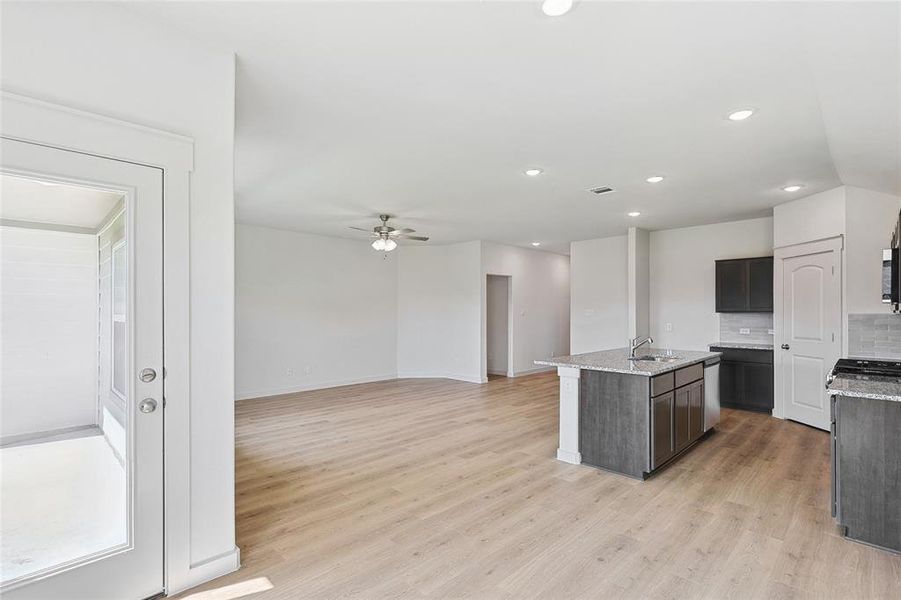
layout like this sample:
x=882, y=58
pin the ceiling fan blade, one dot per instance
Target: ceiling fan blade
x=361, y=229
x=418, y=238
x=402, y=231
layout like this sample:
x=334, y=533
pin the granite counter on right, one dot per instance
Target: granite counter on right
x=866, y=458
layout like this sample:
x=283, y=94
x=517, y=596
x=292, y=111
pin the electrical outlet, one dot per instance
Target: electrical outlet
x=744, y=331
x=308, y=369
x=289, y=372
x=668, y=327
x=771, y=331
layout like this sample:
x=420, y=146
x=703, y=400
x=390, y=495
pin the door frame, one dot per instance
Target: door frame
x=509, y=278
x=834, y=245
x=35, y=121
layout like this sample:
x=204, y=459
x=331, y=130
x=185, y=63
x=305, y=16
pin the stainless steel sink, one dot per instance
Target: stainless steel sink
x=655, y=358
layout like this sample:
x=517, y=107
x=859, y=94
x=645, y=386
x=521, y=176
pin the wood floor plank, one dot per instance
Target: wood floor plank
x=433, y=489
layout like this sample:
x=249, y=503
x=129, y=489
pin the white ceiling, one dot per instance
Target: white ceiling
x=431, y=111
x=37, y=202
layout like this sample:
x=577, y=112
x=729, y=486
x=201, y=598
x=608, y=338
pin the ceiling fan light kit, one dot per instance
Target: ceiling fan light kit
x=385, y=235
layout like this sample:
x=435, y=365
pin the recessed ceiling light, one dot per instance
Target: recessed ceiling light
x=555, y=8
x=792, y=188
x=741, y=115
x=654, y=179
x=634, y=213
x=533, y=172
x=536, y=243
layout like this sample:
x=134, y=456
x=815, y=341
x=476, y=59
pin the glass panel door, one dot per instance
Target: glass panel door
x=77, y=425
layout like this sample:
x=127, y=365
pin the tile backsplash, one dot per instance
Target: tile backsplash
x=874, y=336
x=758, y=325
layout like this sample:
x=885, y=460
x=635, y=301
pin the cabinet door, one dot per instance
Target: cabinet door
x=696, y=410
x=730, y=384
x=731, y=286
x=662, y=447
x=758, y=386
x=680, y=417
x=760, y=284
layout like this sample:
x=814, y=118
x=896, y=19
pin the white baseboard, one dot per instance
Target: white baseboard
x=573, y=458
x=534, y=370
x=466, y=378
x=207, y=570
x=320, y=385
x=53, y=435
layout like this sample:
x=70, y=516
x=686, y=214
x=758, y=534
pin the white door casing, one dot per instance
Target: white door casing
x=135, y=569
x=808, y=323
x=30, y=119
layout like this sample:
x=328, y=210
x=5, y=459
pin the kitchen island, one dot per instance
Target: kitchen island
x=630, y=416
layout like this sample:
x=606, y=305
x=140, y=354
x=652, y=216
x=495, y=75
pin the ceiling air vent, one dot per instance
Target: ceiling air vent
x=601, y=190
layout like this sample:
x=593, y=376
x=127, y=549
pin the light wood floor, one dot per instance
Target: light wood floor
x=442, y=489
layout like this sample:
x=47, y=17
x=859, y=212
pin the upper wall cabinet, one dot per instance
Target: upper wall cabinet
x=744, y=285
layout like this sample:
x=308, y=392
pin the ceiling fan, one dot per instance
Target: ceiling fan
x=385, y=235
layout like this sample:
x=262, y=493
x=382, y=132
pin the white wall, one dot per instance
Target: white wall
x=439, y=307
x=870, y=219
x=539, y=285
x=683, y=278
x=497, y=303
x=311, y=312
x=865, y=219
x=639, y=282
x=48, y=316
x=599, y=295
x=815, y=217
x=106, y=59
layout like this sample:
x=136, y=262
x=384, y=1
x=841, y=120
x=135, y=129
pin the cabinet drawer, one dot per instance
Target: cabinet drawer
x=686, y=375
x=743, y=355
x=662, y=384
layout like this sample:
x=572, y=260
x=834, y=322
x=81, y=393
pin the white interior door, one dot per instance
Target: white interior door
x=811, y=334
x=82, y=509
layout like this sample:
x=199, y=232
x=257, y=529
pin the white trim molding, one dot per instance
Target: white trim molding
x=268, y=393
x=39, y=122
x=568, y=450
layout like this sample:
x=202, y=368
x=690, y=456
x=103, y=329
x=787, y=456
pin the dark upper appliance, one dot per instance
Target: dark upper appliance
x=891, y=270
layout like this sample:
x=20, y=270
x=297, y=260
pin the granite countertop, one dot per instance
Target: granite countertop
x=743, y=345
x=874, y=387
x=617, y=361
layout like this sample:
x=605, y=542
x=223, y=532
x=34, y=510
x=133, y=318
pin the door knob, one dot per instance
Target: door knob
x=148, y=375
x=147, y=405
x=785, y=346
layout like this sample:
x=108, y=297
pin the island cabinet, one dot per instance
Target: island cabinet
x=635, y=424
x=677, y=412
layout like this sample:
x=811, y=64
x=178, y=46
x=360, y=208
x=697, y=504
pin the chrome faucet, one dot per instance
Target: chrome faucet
x=638, y=343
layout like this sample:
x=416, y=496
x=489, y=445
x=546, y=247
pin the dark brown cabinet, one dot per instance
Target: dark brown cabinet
x=680, y=418
x=677, y=416
x=746, y=379
x=662, y=446
x=744, y=285
x=696, y=410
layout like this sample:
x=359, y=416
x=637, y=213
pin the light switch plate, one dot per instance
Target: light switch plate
x=744, y=331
